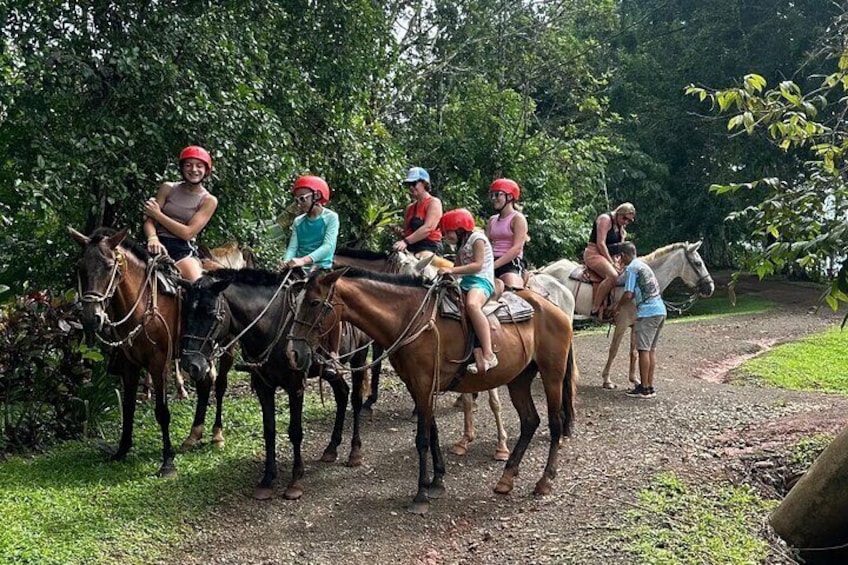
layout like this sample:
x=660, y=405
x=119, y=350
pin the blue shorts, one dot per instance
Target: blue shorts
x=473, y=281
x=178, y=249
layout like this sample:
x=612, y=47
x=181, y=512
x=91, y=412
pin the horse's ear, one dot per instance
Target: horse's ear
x=220, y=286
x=116, y=239
x=184, y=283
x=334, y=275
x=695, y=246
x=424, y=263
x=78, y=237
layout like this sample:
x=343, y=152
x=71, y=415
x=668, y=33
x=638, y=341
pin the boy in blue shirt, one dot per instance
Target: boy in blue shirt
x=316, y=229
x=641, y=286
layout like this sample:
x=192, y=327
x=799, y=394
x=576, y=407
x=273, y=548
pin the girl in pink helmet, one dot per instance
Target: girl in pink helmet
x=475, y=262
x=316, y=230
x=179, y=211
x=507, y=230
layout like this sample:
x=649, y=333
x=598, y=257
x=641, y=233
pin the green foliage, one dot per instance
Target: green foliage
x=797, y=218
x=807, y=450
x=816, y=363
x=675, y=523
x=72, y=507
x=51, y=385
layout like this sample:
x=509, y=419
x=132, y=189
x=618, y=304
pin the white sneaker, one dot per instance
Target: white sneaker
x=488, y=364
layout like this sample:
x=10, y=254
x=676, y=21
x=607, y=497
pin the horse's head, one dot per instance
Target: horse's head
x=405, y=263
x=206, y=322
x=696, y=275
x=99, y=272
x=315, y=315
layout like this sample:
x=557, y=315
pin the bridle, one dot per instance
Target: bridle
x=685, y=305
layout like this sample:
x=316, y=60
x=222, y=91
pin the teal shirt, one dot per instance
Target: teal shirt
x=315, y=237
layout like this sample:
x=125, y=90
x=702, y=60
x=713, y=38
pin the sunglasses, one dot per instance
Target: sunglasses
x=497, y=194
x=303, y=198
x=629, y=219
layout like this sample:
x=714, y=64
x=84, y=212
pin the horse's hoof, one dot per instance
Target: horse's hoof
x=503, y=487
x=329, y=456
x=218, y=437
x=543, y=488
x=460, y=449
x=219, y=443
x=419, y=508
x=355, y=460
x=501, y=455
x=167, y=472
x=436, y=492
x=293, y=492
x=263, y=493
x=609, y=385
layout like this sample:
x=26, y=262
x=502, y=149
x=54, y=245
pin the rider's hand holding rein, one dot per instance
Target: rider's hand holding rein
x=152, y=210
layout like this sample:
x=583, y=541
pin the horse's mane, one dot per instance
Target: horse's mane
x=366, y=254
x=400, y=280
x=249, y=277
x=131, y=245
x=657, y=253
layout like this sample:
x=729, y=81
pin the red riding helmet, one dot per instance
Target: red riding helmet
x=507, y=186
x=317, y=184
x=456, y=219
x=199, y=153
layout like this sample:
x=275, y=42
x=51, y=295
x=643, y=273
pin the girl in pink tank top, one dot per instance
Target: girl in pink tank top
x=507, y=230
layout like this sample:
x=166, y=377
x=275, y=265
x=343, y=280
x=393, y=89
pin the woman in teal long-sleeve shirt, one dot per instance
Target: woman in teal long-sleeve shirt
x=316, y=230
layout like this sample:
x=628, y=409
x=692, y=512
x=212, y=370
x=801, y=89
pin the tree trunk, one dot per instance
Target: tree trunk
x=814, y=513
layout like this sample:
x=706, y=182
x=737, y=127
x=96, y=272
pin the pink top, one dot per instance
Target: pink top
x=181, y=205
x=501, y=235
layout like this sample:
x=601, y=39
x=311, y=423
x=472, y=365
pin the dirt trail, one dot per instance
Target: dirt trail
x=695, y=427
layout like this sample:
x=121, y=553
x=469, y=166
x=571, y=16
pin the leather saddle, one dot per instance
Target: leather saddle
x=508, y=309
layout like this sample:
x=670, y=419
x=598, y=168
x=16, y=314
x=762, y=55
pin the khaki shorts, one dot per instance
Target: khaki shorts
x=648, y=332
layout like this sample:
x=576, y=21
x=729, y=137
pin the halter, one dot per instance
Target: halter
x=222, y=310
x=114, y=278
x=681, y=307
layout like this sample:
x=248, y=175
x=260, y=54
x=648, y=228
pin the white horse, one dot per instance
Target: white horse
x=668, y=263
x=540, y=283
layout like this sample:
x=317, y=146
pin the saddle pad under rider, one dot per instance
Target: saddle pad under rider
x=509, y=308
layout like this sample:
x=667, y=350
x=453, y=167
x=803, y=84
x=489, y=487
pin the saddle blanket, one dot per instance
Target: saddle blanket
x=509, y=308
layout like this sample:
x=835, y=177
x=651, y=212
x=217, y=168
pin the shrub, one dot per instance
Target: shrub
x=52, y=386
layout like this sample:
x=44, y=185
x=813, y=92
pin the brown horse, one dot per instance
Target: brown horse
x=399, y=312
x=123, y=306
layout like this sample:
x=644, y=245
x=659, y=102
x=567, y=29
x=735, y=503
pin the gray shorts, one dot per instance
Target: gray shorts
x=648, y=332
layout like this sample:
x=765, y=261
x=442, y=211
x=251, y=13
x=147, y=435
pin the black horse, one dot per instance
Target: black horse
x=255, y=306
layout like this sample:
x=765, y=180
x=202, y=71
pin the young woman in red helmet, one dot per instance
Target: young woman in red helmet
x=475, y=263
x=179, y=211
x=507, y=231
x=316, y=229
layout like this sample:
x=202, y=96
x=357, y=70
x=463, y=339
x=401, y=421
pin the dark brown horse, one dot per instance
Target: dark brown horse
x=254, y=306
x=123, y=305
x=399, y=312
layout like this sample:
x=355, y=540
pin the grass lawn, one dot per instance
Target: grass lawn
x=70, y=506
x=817, y=363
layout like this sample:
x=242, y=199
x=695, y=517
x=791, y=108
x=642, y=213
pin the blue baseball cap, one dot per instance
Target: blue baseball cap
x=416, y=174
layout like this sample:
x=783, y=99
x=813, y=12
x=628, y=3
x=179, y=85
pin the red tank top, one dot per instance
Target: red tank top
x=414, y=219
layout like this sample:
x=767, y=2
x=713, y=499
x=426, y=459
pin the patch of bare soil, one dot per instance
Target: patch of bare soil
x=697, y=426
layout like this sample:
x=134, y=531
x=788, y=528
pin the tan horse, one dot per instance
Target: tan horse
x=668, y=263
x=427, y=351
x=227, y=256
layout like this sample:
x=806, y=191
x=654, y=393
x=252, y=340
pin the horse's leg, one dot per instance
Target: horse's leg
x=519, y=394
x=224, y=366
x=340, y=392
x=376, y=352
x=357, y=378
x=421, y=501
x=553, y=375
x=294, y=490
x=129, y=378
x=265, y=394
x=182, y=393
x=196, y=433
x=163, y=416
x=468, y=434
x=634, y=358
x=618, y=334
x=501, y=451
x=437, y=485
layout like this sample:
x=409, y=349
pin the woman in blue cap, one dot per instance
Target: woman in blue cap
x=421, y=234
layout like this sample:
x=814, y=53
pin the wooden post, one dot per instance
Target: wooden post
x=814, y=513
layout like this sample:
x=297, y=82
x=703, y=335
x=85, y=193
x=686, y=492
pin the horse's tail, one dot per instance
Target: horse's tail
x=569, y=391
